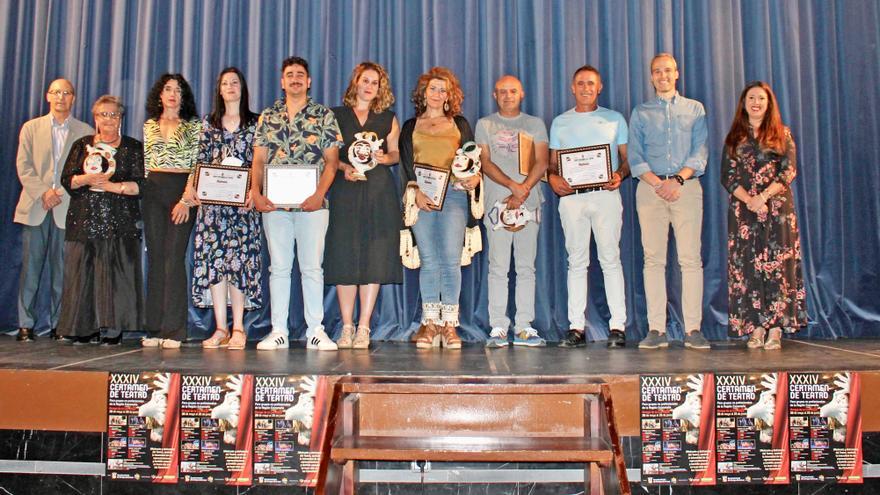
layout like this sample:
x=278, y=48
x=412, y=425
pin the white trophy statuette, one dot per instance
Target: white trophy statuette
x=360, y=153
x=466, y=163
x=100, y=160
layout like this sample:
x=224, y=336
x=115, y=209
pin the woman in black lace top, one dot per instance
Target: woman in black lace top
x=104, y=175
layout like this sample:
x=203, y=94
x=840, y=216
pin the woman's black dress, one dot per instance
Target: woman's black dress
x=363, y=238
x=102, y=248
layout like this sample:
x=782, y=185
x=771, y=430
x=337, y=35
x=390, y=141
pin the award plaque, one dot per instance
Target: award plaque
x=287, y=186
x=432, y=182
x=526, y=151
x=222, y=184
x=588, y=166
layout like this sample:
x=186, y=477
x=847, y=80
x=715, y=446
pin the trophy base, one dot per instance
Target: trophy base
x=358, y=176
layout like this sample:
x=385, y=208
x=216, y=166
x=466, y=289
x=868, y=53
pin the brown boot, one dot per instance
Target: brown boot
x=450, y=337
x=429, y=338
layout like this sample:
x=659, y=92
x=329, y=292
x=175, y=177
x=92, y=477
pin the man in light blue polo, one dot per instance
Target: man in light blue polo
x=668, y=154
x=590, y=211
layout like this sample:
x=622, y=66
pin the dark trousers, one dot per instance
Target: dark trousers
x=167, y=296
x=42, y=248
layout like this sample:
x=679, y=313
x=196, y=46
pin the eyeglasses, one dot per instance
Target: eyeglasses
x=62, y=93
x=109, y=115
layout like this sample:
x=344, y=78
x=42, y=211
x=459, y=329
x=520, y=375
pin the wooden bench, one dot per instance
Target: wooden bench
x=472, y=419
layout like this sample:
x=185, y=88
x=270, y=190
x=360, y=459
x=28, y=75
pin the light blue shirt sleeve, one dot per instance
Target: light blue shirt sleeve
x=699, y=152
x=638, y=165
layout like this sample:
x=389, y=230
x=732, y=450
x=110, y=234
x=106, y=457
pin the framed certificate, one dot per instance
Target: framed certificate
x=222, y=184
x=432, y=182
x=287, y=186
x=588, y=166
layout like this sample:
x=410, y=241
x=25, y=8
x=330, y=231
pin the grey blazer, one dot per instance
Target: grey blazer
x=34, y=165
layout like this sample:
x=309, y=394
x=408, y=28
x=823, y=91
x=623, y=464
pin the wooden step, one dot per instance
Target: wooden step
x=472, y=449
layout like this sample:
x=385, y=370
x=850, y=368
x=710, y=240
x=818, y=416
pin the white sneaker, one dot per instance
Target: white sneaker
x=320, y=341
x=275, y=340
x=151, y=342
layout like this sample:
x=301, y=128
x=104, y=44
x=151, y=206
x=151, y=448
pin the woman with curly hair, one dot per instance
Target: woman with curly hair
x=227, y=242
x=364, y=232
x=766, y=291
x=445, y=237
x=171, y=139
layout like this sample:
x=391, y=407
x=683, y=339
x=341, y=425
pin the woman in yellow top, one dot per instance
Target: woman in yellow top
x=171, y=142
x=441, y=234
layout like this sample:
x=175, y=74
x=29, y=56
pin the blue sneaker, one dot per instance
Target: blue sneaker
x=497, y=338
x=528, y=337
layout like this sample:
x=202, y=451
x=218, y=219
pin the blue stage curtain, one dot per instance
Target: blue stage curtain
x=820, y=57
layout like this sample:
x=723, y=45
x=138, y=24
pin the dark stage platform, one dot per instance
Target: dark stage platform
x=393, y=358
x=41, y=381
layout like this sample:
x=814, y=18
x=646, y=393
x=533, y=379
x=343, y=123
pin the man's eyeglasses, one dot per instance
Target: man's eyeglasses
x=61, y=92
x=109, y=115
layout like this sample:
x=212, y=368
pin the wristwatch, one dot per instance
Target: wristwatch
x=678, y=179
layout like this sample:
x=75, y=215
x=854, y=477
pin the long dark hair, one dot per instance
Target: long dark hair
x=219, y=109
x=187, y=100
x=771, y=134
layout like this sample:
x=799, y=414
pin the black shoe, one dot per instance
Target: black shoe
x=94, y=338
x=616, y=339
x=108, y=341
x=25, y=335
x=61, y=339
x=575, y=338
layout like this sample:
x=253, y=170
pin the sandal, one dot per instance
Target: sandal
x=238, y=341
x=347, y=338
x=362, y=338
x=756, y=340
x=774, y=342
x=428, y=337
x=219, y=339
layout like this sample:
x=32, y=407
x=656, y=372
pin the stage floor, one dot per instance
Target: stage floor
x=403, y=358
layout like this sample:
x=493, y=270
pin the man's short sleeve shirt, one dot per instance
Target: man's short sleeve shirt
x=601, y=126
x=501, y=135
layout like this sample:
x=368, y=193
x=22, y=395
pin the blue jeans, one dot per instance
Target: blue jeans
x=440, y=238
x=284, y=230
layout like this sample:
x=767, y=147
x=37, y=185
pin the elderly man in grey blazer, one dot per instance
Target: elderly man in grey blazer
x=43, y=145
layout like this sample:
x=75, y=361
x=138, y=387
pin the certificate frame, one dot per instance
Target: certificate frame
x=304, y=177
x=525, y=147
x=567, y=156
x=240, y=178
x=436, y=191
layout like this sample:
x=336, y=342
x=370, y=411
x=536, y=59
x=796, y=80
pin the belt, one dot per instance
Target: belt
x=589, y=189
x=672, y=176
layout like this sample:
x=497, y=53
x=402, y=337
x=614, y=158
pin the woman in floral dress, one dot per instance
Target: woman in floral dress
x=766, y=289
x=226, y=247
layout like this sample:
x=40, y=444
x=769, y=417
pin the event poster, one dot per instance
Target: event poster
x=751, y=427
x=216, y=438
x=289, y=426
x=825, y=424
x=142, y=426
x=677, y=414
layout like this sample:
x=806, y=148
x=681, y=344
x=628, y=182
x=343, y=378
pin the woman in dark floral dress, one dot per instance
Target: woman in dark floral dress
x=766, y=290
x=226, y=247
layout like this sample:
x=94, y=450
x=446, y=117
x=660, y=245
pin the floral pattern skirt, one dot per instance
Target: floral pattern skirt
x=227, y=246
x=766, y=288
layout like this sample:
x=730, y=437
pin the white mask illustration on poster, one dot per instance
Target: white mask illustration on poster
x=764, y=410
x=227, y=411
x=302, y=413
x=154, y=409
x=689, y=411
x=837, y=410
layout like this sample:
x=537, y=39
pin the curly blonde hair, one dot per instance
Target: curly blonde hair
x=453, y=90
x=384, y=98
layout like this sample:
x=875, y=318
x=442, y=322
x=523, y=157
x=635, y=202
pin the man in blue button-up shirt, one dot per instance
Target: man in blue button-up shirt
x=667, y=153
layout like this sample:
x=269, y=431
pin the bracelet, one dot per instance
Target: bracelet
x=678, y=179
x=763, y=196
x=122, y=188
